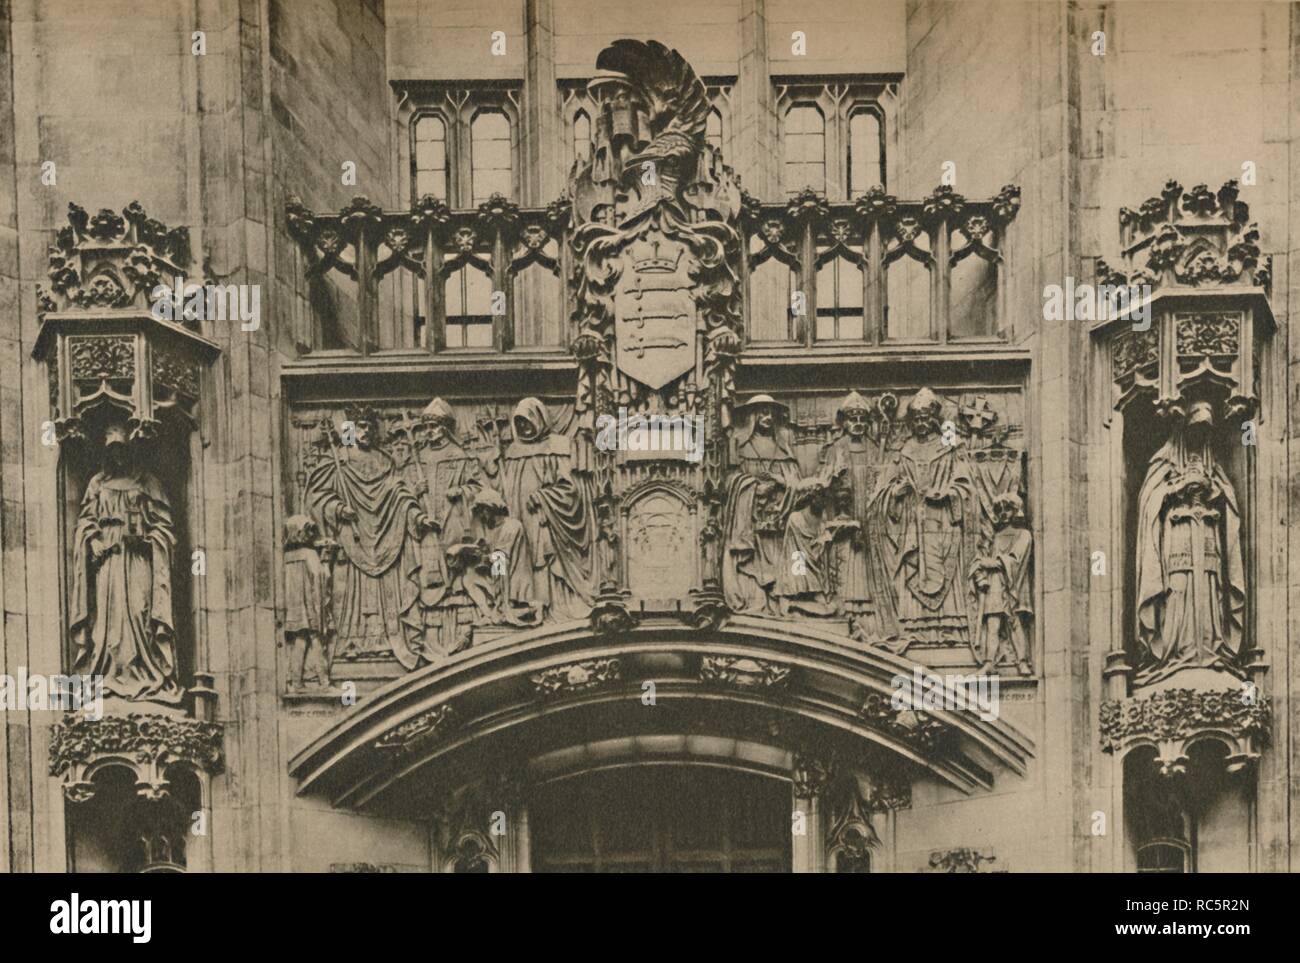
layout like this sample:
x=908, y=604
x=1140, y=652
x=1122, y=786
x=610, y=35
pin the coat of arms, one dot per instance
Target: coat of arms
x=654, y=311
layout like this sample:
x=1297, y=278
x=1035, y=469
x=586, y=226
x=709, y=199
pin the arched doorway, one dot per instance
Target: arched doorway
x=676, y=819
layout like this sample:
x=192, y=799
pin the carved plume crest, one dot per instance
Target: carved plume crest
x=667, y=84
x=648, y=143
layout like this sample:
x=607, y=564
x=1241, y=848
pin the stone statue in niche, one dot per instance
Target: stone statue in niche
x=1000, y=579
x=923, y=509
x=1191, y=588
x=122, y=624
x=760, y=495
x=309, y=611
x=554, y=504
x=362, y=499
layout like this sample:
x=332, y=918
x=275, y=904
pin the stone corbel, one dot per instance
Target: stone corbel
x=482, y=827
x=1172, y=720
x=147, y=744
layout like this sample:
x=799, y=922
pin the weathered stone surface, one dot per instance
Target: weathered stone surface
x=746, y=454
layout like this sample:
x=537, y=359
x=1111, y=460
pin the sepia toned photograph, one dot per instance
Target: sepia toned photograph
x=598, y=436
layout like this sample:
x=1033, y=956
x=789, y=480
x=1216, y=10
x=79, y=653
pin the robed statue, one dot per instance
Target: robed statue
x=445, y=478
x=554, y=505
x=500, y=579
x=360, y=496
x=444, y=474
x=1191, y=587
x=776, y=538
x=850, y=464
x=122, y=623
x=923, y=511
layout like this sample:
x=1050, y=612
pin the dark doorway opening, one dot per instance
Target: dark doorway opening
x=669, y=819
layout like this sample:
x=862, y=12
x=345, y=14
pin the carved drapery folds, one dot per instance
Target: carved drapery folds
x=125, y=383
x=903, y=521
x=899, y=522
x=652, y=491
x=1184, y=360
x=124, y=390
x=121, y=613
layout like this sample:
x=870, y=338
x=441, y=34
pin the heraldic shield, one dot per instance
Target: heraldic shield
x=655, y=312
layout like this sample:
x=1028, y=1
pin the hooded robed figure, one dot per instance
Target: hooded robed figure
x=554, y=504
x=124, y=544
x=760, y=497
x=1191, y=590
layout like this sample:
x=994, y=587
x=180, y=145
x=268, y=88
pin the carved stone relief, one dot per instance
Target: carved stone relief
x=576, y=677
x=896, y=518
x=423, y=531
x=961, y=860
x=662, y=548
x=743, y=673
x=309, y=606
x=909, y=526
x=901, y=522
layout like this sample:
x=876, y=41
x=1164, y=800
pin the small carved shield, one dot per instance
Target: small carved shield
x=655, y=314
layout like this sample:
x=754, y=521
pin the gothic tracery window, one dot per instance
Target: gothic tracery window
x=582, y=136
x=833, y=136
x=713, y=129
x=804, y=144
x=463, y=148
x=839, y=305
x=469, y=308
x=429, y=157
x=463, y=142
x=491, y=166
x=866, y=157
